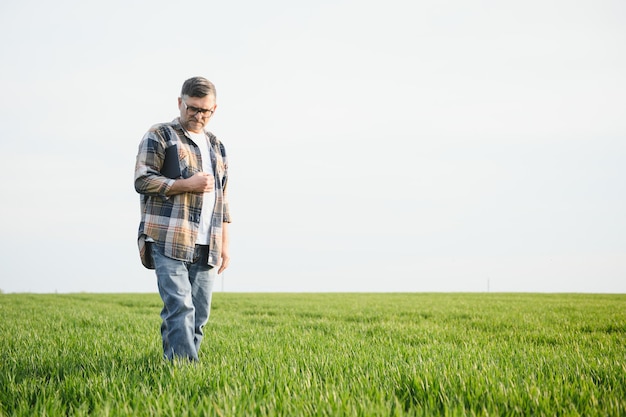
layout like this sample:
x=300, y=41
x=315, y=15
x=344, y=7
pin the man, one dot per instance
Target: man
x=181, y=173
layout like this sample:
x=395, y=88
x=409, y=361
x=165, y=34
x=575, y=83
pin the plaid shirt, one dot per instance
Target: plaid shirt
x=173, y=221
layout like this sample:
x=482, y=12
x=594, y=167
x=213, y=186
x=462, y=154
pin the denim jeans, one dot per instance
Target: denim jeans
x=186, y=289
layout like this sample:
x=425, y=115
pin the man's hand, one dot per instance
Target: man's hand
x=225, y=250
x=200, y=182
x=225, y=261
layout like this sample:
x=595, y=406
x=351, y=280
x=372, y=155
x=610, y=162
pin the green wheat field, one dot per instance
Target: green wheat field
x=331, y=354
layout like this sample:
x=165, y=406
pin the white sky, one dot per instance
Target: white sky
x=395, y=145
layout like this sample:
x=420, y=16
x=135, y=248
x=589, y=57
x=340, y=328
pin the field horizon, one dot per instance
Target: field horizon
x=218, y=291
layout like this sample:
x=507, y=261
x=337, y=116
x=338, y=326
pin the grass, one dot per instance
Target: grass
x=318, y=355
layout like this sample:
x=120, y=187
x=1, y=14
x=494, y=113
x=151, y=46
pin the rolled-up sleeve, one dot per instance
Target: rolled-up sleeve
x=226, y=210
x=225, y=206
x=148, y=177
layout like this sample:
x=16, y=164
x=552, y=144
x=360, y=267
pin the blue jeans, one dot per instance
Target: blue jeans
x=186, y=289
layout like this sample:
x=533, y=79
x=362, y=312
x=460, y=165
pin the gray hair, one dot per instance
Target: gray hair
x=198, y=87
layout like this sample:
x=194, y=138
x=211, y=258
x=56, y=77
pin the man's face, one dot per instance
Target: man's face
x=195, y=112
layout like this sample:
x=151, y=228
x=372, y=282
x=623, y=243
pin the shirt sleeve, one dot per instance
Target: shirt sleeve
x=225, y=204
x=150, y=156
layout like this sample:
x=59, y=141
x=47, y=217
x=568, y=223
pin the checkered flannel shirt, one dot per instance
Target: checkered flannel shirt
x=173, y=221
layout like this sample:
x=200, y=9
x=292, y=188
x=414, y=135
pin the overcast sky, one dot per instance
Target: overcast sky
x=397, y=145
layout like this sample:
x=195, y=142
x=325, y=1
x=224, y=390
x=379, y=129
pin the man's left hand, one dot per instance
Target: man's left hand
x=225, y=262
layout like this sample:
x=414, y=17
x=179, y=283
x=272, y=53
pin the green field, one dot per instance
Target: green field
x=318, y=355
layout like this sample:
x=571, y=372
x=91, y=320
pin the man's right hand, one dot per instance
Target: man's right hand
x=200, y=182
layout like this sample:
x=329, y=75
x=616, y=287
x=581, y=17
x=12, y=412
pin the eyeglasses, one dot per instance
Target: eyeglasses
x=193, y=111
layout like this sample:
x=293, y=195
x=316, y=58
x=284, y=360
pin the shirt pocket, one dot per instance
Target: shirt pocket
x=184, y=160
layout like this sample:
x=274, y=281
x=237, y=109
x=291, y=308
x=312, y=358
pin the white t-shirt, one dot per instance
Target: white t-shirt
x=208, y=202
